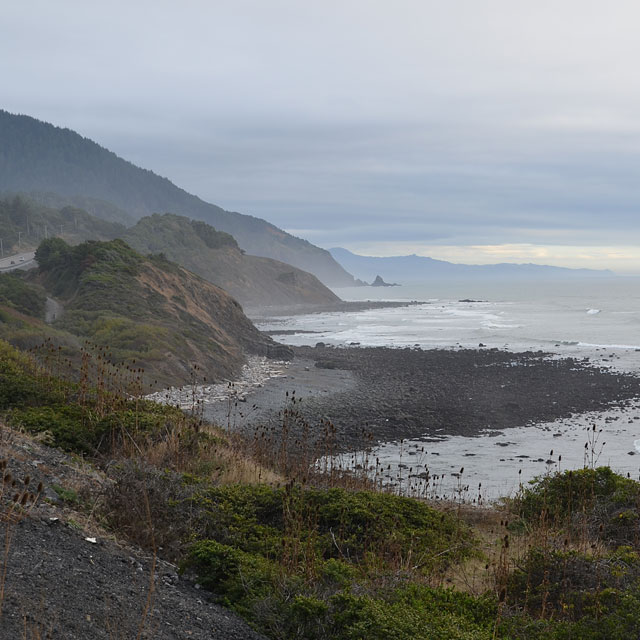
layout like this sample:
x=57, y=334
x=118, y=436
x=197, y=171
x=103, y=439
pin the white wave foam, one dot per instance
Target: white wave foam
x=592, y=312
x=608, y=346
x=495, y=325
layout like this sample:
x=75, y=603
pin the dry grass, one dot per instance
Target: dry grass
x=210, y=454
x=34, y=627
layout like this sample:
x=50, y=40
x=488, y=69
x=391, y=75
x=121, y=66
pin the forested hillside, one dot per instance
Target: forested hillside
x=42, y=159
x=25, y=223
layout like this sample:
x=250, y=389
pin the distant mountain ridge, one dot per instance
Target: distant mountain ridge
x=414, y=268
x=49, y=162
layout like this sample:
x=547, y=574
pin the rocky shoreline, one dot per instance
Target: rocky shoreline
x=253, y=375
x=379, y=394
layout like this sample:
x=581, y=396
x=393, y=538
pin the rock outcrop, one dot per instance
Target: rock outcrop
x=379, y=282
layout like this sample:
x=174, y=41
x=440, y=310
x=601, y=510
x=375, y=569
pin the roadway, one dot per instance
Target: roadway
x=18, y=261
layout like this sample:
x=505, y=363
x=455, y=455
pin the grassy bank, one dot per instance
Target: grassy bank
x=302, y=555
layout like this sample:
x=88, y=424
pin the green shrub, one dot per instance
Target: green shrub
x=288, y=559
x=230, y=572
x=73, y=427
x=598, y=500
x=283, y=607
x=335, y=572
x=21, y=382
x=571, y=585
x=413, y=612
x=66, y=495
x=614, y=616
x=23, y=297
x=39, y=402
x=360, y=527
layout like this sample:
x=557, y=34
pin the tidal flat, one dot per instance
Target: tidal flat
x=409, y=414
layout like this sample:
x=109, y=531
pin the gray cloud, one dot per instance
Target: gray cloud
x=356, y=121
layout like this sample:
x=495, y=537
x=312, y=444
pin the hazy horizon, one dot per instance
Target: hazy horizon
x=501, y=132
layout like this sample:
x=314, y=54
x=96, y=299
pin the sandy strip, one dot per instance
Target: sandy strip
x=254, y=374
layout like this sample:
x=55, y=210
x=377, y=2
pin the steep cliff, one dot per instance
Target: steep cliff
x=214, y=255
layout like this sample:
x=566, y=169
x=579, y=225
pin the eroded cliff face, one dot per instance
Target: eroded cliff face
x=210, y=326
x=253, y=281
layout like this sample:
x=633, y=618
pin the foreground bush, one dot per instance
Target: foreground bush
x=363, y=528
x=596, y=503
x=570, y=584
x=75, y=415
x=290, y=558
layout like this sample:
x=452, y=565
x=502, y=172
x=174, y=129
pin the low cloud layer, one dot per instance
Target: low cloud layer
x=447, y=128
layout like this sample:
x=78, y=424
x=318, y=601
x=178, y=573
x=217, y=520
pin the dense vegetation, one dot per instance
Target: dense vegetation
x=169, y=233
x=17, y=294
x=147, y=310
x=596, y=499
x=291, y=558
x=25, y=223
x=22, y=315
x=95, y=268
x=303, y=560
x=73, y=415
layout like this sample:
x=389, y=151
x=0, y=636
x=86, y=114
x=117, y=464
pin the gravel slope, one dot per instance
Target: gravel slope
x=61, y=585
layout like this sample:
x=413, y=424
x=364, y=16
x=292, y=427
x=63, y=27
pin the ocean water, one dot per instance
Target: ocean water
x=594, y=318
x=583, y=316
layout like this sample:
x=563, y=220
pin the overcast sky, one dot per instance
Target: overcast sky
x=467, y=130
